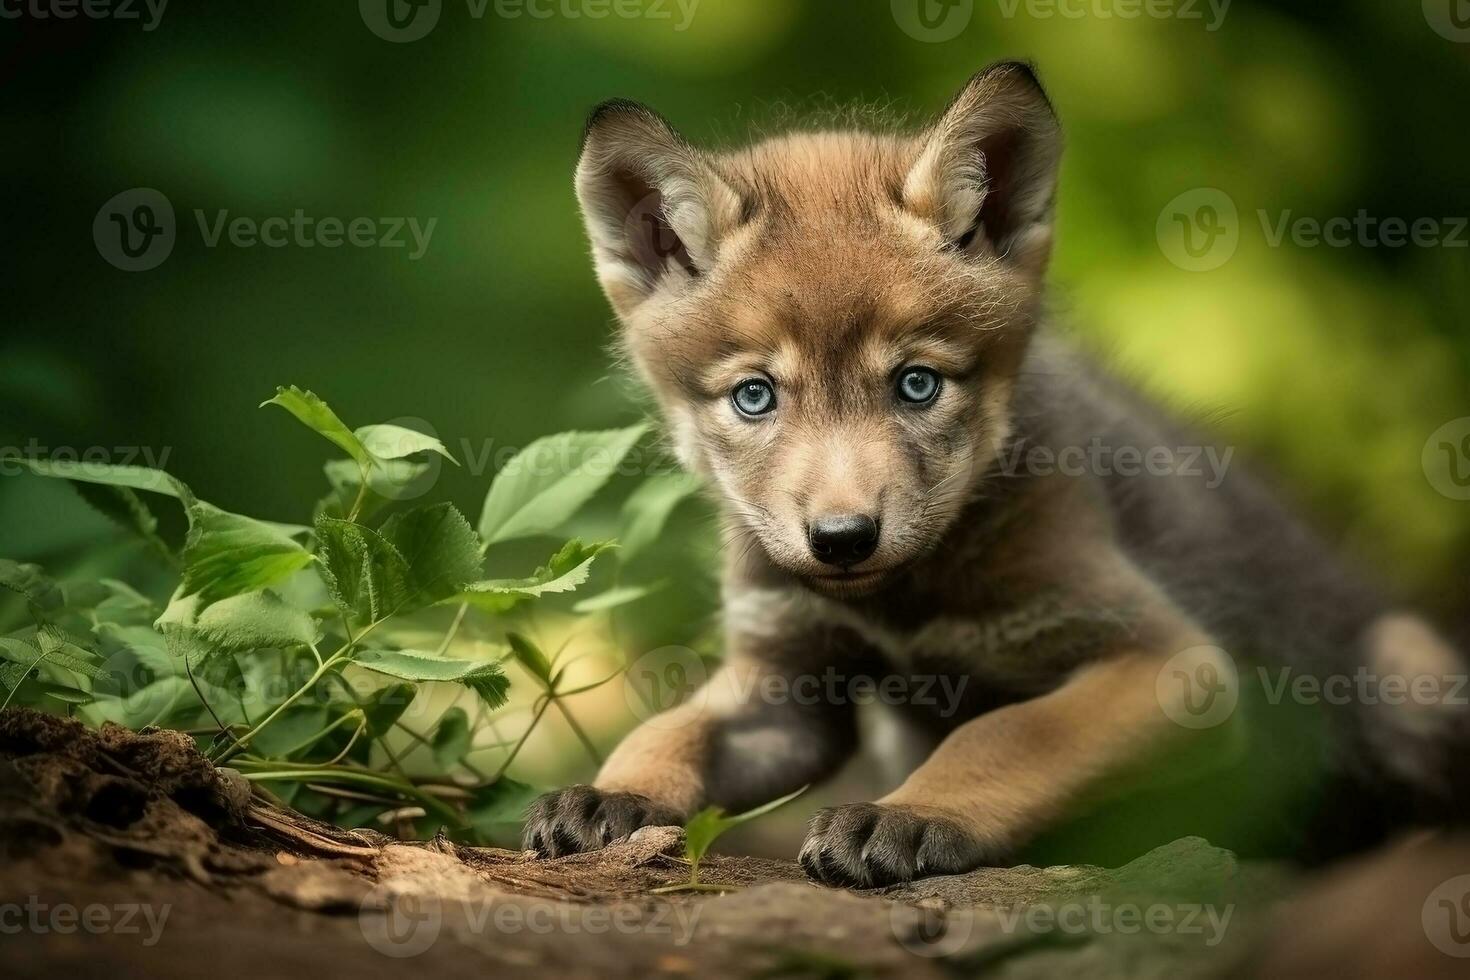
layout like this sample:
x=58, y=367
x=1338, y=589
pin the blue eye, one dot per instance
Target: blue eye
x=918, y=385
x=753, y=396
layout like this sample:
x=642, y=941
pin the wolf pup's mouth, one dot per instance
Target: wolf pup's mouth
x=849, y=583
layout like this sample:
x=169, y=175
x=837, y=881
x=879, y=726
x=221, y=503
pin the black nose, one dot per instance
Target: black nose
x=845, y=539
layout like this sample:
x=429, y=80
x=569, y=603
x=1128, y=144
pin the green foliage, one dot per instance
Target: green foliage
x=550, y=480
x=567, y=569
x=295, y=652
x=706, y=826
x=648, y=508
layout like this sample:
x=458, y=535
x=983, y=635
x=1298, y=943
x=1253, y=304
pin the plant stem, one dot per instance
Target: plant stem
x=578, y=731
x=202, y=699
x=359, y=778
x=453, y=630
x=349, y=716
x=536, y=717
x=361, y=497
x=423, y=740
x=239, y=744
x=24, y=675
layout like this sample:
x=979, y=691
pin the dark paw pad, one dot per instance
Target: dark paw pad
x=583, y=818
x=869, y=845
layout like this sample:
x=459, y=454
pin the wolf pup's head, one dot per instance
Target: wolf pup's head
x=832, y=321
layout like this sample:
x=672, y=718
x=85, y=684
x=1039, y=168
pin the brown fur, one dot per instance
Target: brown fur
x=823, y=263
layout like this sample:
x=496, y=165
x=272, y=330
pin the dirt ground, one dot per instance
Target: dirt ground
x=129, y=855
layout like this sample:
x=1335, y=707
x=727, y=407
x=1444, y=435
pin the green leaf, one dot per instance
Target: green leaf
x=64, y=694
x=529, y=655
x=209, y=665
x=440, y=547
x=227, y=554
x=124, y=605
x=648, y=508
x=32, y=584
x=108, y=474
x=316, y=415
x=53, y=646
x=708, y=824
x=126, y=508
x=363, y=572
x=13, y=675
x=613, y=598
x=389, y=480
x=388, y=442
x=501, y=802
x=17, y=651
x=292, y=728
x=484, y=677
x=385, y=706
x=550, y=480
x=255, y=620
x=566, y=570
x=452, y=738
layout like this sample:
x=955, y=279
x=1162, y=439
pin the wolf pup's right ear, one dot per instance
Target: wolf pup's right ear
x=986, y=173
x=654, y=207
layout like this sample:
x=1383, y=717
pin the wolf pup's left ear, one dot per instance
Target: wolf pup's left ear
x=986, y=172
x=654, y=207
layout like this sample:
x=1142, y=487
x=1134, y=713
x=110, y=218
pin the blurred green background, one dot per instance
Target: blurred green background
x=1329, y=366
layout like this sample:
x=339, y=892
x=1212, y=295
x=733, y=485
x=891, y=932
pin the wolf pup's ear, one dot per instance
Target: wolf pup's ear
x=654, y=206
x=986, y=171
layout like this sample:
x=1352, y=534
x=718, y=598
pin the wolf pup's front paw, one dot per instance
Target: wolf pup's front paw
x=584, y=818
x=868, y=845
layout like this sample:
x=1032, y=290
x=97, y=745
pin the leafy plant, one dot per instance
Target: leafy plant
x=293, y=651
x=705, y=827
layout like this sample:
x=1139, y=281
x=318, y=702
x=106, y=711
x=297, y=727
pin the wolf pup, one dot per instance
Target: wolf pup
x=845, y=333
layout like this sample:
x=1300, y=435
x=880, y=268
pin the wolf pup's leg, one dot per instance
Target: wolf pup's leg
x=733, y=745
x=1000, y=779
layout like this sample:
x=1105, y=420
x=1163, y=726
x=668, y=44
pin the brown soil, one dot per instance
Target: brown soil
x=127, y=854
